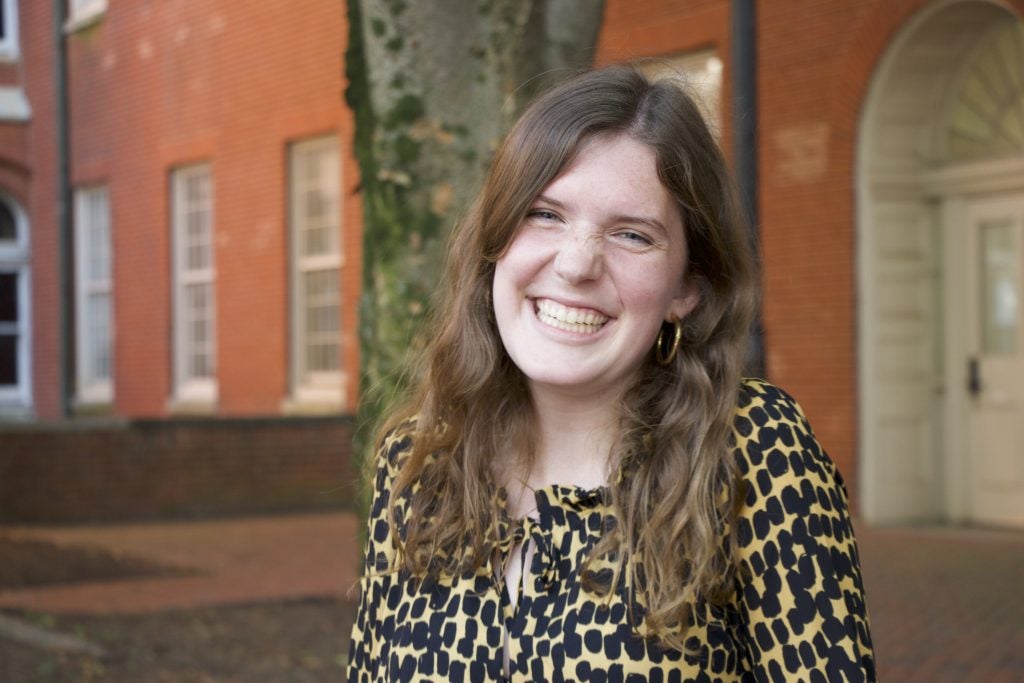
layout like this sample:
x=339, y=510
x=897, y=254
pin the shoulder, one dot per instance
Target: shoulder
x=789, y=480
x=393, y=450
x=772, y=433
x=763, y=405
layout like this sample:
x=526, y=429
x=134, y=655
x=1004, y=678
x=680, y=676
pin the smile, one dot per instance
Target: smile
x=553, y=314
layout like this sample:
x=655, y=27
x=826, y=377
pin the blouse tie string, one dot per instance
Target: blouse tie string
x=545, y=564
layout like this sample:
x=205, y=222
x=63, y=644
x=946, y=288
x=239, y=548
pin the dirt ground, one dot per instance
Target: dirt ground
x=284, y=642
x=296, y=642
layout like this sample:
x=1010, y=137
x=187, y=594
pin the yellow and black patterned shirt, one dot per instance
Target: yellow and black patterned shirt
x=797, y=612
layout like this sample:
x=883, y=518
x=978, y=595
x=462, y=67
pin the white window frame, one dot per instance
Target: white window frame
x=90, y=386
x=190, y=390
x=9, y=50
x=14, y=258
x=324, y=389
x=82, y=13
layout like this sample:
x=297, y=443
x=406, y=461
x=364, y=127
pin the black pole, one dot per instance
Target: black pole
x=743, y=44
x=65, y=281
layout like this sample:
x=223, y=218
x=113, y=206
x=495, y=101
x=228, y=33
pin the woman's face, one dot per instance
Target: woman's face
x=593, y=271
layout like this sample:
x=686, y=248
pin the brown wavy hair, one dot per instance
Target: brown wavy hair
x=669, y=543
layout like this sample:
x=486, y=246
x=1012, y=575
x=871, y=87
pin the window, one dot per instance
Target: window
x=314, y=198
x=8, y=29
x=93, y=291
x=195, y=315
x=81, y=13
x=701, y=74
x=15, y=327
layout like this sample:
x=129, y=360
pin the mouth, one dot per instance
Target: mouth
x=568, y=318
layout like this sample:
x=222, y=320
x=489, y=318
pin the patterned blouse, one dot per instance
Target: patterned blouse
x=797, y=612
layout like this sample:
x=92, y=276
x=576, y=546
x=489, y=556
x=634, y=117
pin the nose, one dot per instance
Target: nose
x=579, y=257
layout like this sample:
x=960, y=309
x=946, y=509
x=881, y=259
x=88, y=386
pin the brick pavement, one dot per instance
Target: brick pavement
x=946, y=604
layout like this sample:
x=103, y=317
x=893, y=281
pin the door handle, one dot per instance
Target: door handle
x=973, y=376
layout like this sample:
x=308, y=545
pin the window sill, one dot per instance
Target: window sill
x=186, y=406
x=14, y=106
x=321, y=404
x=93, y=407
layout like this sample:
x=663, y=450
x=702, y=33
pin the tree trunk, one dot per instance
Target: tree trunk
x=434, y=85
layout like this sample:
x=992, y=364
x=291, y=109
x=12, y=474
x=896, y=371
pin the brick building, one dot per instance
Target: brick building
x=213, y=243
x=210, y=151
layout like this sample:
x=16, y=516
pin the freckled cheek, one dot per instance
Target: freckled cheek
x=510, y=282
x=521, y=263
x=641, y=288
x=644, y=277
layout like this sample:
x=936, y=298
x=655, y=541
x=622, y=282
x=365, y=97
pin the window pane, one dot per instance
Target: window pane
x=317, y=197
x=197, y=241
x=98, y=237
x=92, y=283
x=8, y=298
x=316, y=234
x=322, y=321
x=8, y=360
x=195, y=322
x=1000, y=306
x=199, y=331
x=99, y=336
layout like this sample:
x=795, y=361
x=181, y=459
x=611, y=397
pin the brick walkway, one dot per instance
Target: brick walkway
x=945, y=604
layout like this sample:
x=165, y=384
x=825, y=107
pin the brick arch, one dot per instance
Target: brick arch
x=863, y=55
x=14, y=180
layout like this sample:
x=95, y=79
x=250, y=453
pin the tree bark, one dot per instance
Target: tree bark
x=434, y=85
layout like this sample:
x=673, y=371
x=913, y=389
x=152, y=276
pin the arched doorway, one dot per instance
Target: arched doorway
x=940, y=183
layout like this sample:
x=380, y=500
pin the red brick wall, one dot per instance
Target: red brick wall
x=35, y=20
x=816, y=59
x=104, y=471
x=155, y=86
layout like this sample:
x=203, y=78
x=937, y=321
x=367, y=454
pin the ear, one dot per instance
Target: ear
x=685, y=302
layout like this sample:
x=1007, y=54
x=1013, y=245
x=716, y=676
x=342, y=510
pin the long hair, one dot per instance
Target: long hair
x=673, y=510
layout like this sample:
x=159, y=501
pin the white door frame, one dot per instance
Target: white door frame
x=955, y=188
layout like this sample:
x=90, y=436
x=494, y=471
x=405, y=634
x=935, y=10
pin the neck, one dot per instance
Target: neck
x=576, y=435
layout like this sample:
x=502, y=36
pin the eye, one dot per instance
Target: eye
x=542, y=215
x=635, y=238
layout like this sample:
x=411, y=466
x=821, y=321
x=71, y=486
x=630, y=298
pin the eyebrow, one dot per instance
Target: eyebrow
x=621, y=218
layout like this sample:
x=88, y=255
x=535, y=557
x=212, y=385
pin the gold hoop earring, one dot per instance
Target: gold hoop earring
x=665, y=358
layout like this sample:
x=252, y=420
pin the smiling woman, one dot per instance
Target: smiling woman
x=582, y=487
x=603, y=243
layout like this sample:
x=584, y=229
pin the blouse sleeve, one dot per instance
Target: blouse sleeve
x=800, y=598
x=371, y=621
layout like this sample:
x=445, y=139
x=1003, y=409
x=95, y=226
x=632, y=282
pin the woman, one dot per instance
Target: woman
x=582, y=487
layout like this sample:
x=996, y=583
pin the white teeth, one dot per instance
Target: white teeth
x=569, y=319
